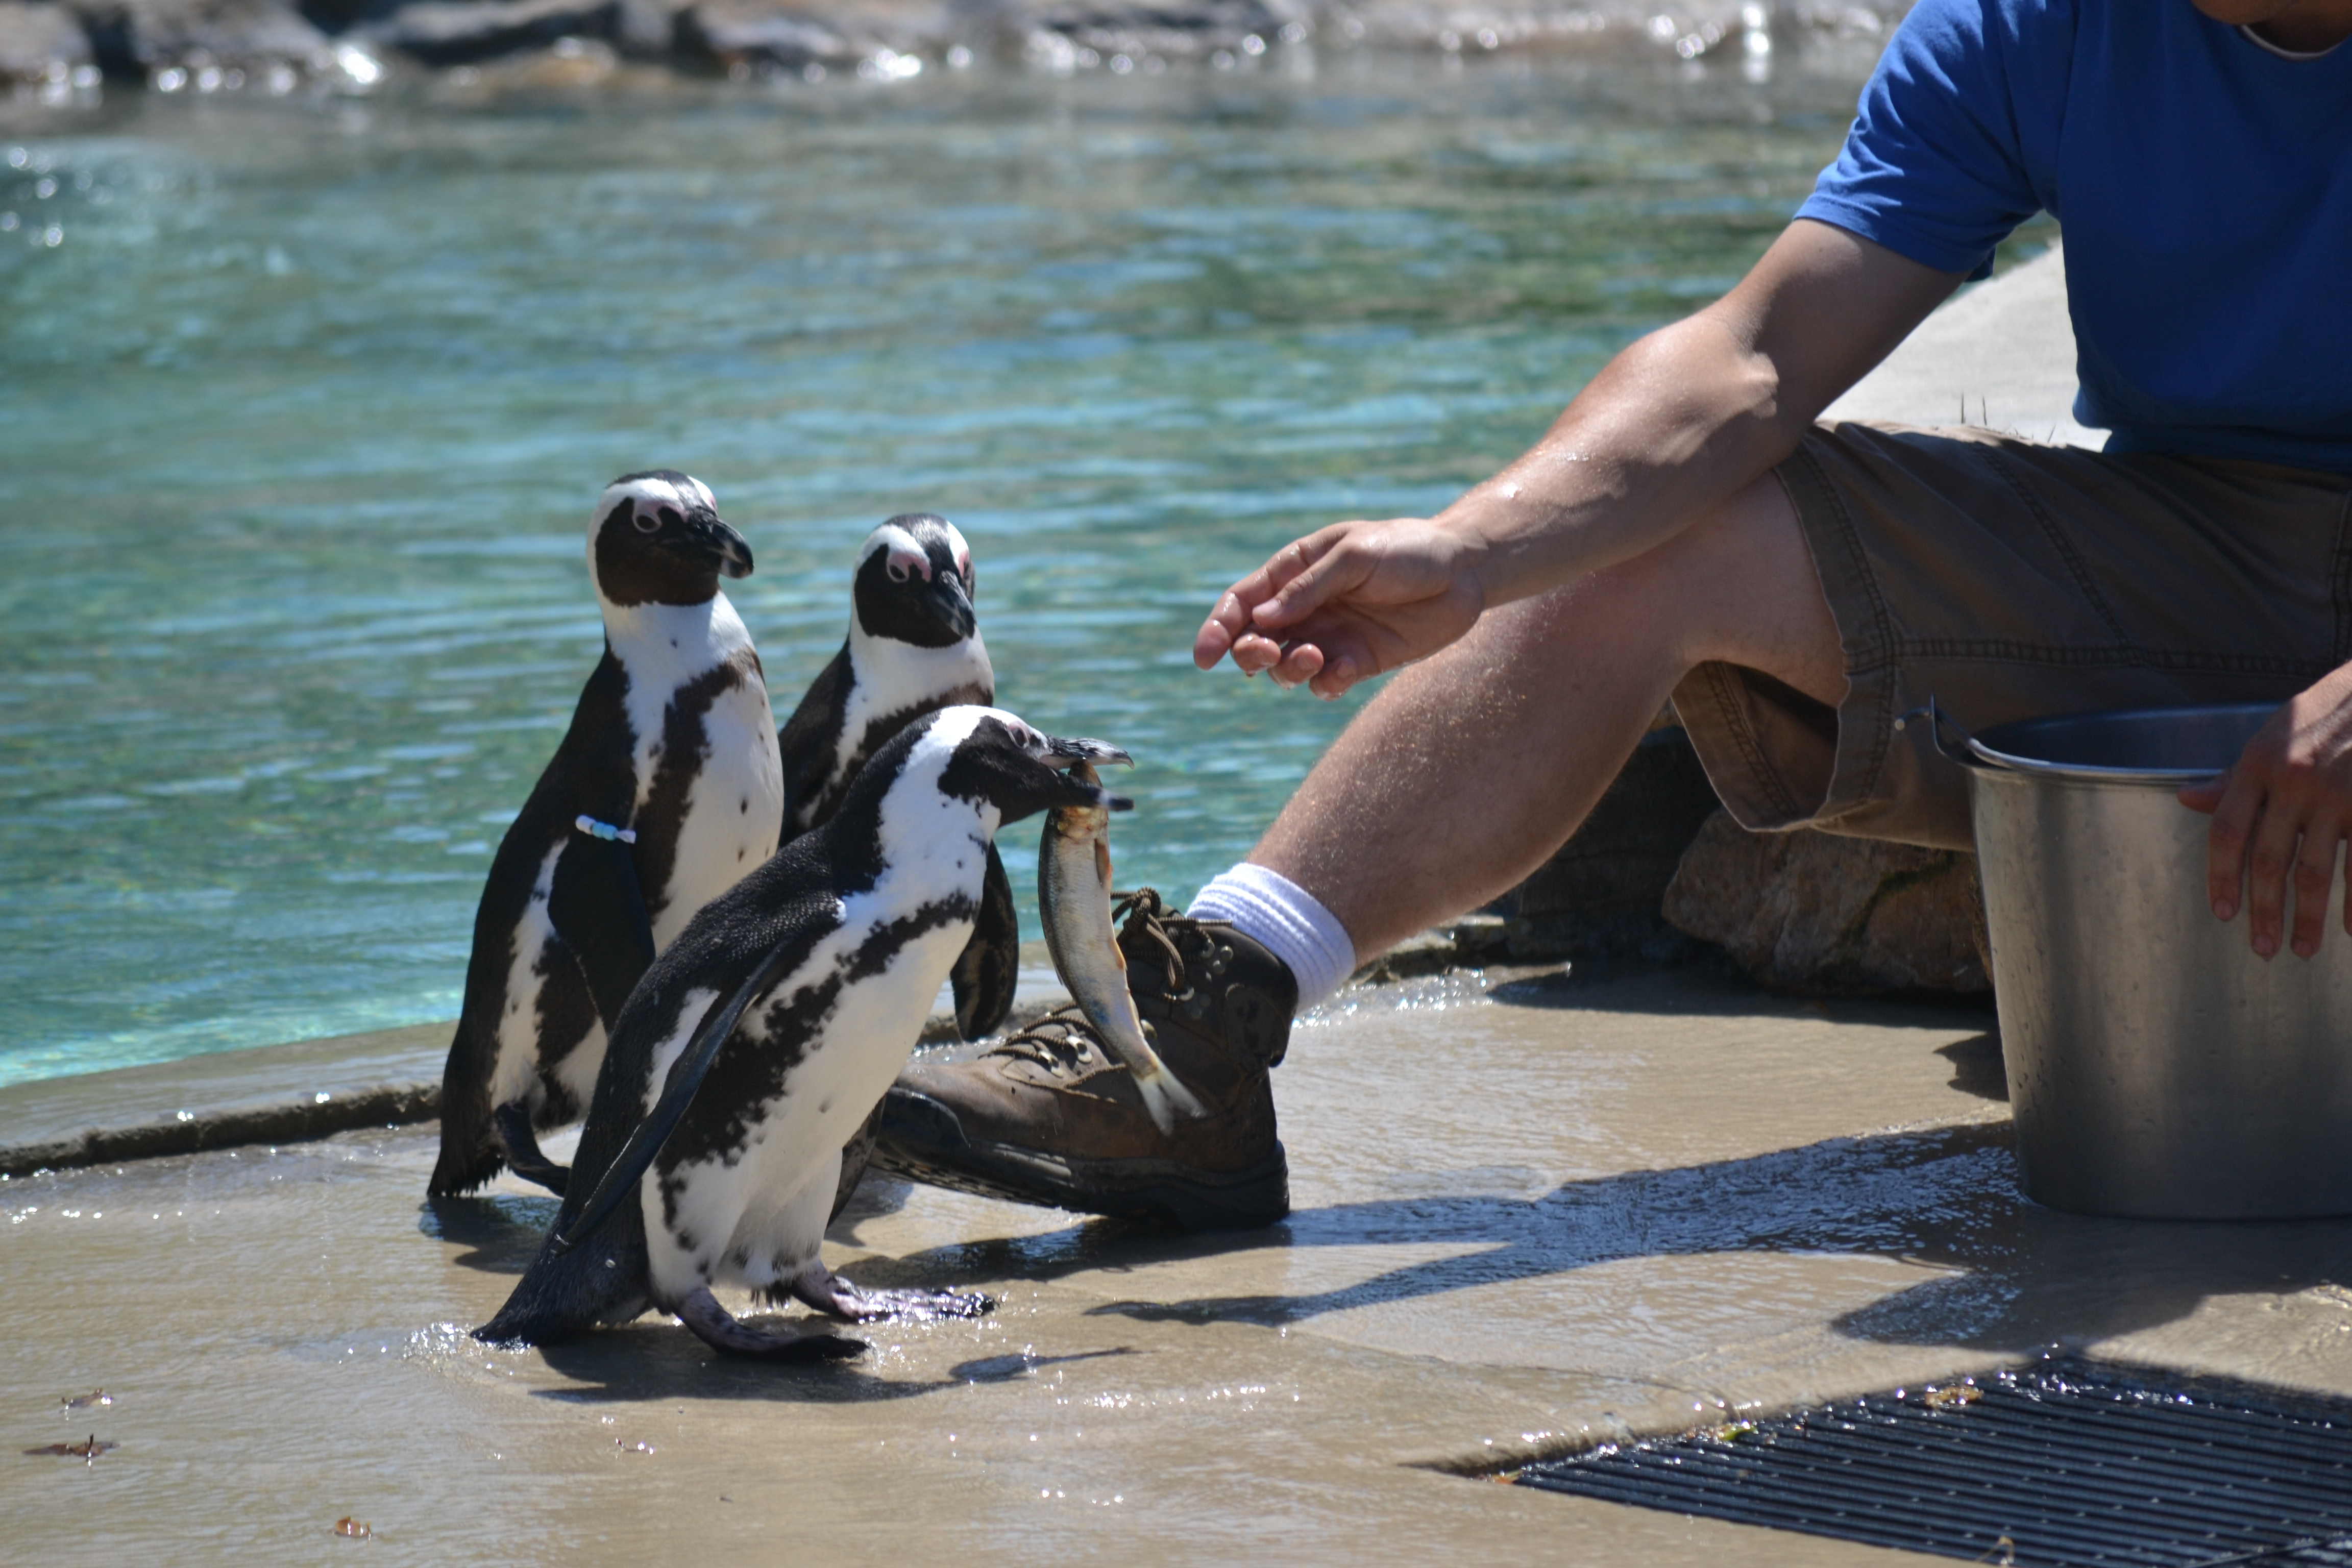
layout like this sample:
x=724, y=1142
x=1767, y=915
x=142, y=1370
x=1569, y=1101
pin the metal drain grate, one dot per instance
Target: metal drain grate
x=2066, y=1462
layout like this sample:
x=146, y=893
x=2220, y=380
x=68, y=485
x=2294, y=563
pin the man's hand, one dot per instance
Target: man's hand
x=1346, y=602
x=2284, y=807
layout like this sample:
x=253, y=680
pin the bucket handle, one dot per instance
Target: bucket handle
x=1971, y=754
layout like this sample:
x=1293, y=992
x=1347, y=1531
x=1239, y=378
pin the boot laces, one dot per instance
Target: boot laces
x=1147, y=913
x=1062, y=1042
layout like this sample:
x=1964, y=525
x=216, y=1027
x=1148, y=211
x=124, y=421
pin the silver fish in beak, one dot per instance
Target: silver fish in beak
x=1073, y=897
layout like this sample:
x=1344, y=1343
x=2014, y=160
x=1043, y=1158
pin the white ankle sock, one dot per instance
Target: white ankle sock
x=1269, y=907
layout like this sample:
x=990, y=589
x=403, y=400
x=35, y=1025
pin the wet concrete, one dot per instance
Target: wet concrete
x=1524, y=1220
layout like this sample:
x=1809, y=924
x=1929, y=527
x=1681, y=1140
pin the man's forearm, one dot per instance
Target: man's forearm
x=1672, y=427
x=1680, y=421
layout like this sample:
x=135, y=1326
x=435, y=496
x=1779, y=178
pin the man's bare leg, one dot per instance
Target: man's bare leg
x=1475, y=765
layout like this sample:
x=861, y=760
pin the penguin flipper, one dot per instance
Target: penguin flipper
x=989, y=969
x=805, y=744
x=597, y=906
x=620, y=1178
x=855, y=1155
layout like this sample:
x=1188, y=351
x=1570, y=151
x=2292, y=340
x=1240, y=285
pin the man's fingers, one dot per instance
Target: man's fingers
x=2225, y=846
x=2270, y=861
x=2315, y=878
x=1317, y=571
x=1254, y=653
x=1301, y=662
x=1226, y=625
x=1237, y=609
x=2205, y=794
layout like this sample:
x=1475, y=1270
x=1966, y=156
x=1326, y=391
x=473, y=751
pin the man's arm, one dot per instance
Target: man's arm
x=1671, y=428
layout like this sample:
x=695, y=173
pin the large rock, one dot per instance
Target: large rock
x=147, y=38
x=467, y=32
x=1816, y=912
x=732, y=36
x=40, y=43
x=1058, y=33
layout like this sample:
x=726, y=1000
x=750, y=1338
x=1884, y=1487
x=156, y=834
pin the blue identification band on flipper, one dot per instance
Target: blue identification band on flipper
x=645, y=1144
x=605, y=830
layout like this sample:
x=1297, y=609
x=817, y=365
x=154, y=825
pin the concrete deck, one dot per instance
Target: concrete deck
x=1526, y=1218
x=1523, y=1220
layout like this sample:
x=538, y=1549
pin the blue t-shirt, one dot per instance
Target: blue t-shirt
x=2203, y=183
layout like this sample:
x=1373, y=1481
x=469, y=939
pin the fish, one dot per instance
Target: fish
x=1074, y=898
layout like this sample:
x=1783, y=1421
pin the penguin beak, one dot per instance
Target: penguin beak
x=707, y=536
x=1068, y=752
x=945, y=597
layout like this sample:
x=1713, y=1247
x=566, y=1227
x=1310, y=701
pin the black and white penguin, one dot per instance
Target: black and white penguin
x=913, y=648
x=767, y=1032
x=666, y=790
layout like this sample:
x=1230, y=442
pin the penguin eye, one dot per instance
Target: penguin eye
x=647, y=521
x=897, y=572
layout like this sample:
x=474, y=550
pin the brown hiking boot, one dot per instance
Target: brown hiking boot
x=1045, y=1117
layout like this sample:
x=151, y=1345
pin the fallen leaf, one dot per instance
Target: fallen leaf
x=353, y=1528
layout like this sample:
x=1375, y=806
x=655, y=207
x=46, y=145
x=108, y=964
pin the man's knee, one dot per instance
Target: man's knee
x=1739, y=586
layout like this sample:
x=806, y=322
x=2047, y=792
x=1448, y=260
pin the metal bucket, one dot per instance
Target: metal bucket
x=2156, y=1068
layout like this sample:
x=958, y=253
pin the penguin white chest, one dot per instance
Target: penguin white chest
x=755, y=1216
x=733, y=807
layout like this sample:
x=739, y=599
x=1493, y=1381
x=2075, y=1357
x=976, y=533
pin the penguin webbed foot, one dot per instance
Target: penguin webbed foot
x=715, y=1325
x=511, y=1131
x=830, y=1294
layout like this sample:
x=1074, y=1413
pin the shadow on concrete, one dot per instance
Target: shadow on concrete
x=1702, y=992
x=654, y=1359
x=504, y=1231
x=1945, y=1197
x=1010, y=1368
x=1976, y=1067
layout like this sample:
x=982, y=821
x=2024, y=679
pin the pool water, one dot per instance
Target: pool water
x=303, y=406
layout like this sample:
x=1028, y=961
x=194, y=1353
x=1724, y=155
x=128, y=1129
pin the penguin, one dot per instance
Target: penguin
x=761, y=1038
x=666, y=790
x=913, y=647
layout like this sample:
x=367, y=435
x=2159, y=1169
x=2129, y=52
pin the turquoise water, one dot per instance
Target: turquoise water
x=301, y=416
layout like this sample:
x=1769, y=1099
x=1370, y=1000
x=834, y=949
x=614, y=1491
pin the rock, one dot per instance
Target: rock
x=256, y=39
x=41, y=43
x=736, y=36
x=1815, y=912
x=466, y=32
x=876, y=37
x=1061, y=33
x=1599, y=896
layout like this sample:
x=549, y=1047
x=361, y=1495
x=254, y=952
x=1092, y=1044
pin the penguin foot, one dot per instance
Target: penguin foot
x=829, y=1293
x=715, y=1325
x=510, y=1129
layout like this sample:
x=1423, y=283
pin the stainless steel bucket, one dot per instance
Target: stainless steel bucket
x=2156, y=1068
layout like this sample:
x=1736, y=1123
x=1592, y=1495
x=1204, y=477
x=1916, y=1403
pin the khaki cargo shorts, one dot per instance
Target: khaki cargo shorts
x=2010, y=580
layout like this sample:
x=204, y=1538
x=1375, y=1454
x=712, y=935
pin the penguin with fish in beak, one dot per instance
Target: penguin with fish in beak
x=769, y=1030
